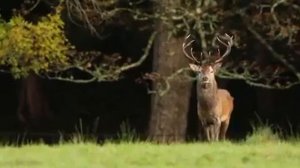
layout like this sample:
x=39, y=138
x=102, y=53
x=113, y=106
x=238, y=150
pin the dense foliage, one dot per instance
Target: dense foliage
x=26, y=47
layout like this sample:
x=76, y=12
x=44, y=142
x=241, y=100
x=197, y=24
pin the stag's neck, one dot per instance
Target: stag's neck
x=207, y=97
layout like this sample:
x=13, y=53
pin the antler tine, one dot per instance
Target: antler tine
x=189, y=55
x=194, y=58
x=228, y=46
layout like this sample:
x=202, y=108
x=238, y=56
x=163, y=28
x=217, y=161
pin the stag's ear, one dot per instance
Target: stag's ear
x=195, y=67
x=217, y=66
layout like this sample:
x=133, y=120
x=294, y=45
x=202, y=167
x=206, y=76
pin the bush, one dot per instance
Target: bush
x=26, y=47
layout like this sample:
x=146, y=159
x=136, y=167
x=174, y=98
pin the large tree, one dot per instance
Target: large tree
x=170, y=101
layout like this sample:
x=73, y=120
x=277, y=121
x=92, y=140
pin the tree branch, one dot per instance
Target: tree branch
x=142, y=59
x=99, y=73
x=271, y=50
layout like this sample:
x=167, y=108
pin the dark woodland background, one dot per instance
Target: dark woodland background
x=101, y=108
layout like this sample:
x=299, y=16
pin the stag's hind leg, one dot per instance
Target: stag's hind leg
x=223, y=129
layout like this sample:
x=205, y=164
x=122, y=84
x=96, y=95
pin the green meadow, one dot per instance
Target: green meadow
x=261, y=149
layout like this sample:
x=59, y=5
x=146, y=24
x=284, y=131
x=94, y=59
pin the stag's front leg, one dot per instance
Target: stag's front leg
x=212, y=132
x=207, y=133
x=212, y=128
x=217, y=127
x=205, y=130
x=201, y=131
x=209, y=130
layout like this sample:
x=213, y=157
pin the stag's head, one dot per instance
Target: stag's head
x=206, y=64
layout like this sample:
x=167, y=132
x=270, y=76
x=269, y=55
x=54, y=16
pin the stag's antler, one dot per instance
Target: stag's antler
x=190, y=54
x=227, y=44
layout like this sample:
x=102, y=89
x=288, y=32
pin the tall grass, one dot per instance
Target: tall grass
x=264, y=147
x=127, y=134
x=263, y=134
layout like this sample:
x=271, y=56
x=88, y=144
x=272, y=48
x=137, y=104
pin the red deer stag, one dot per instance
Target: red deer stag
x=214, y=105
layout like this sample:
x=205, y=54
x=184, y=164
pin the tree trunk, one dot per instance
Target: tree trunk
x=168, y=120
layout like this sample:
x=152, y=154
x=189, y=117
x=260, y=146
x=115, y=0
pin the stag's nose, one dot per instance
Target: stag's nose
x=205, y=79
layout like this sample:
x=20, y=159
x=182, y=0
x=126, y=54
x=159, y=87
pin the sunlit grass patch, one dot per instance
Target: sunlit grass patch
x=263, y=134
x=146, y=154
x=262, y=148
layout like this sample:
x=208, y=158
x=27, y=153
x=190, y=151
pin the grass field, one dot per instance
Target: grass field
x=256, y=151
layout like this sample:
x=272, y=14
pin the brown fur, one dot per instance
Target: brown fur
x=214, y=105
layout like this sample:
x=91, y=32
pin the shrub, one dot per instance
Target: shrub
x=26, y=47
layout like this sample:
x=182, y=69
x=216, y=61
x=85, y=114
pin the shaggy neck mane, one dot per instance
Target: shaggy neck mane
x=207, y=97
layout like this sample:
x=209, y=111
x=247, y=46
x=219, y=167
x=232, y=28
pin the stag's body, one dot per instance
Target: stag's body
x=214, y=105
x=214, y=110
